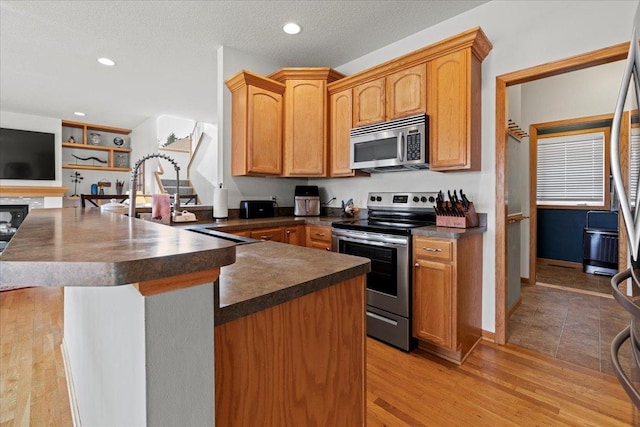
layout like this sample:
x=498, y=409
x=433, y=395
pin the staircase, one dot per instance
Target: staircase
x=187, y=193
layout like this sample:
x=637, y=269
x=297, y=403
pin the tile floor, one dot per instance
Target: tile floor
x=569, y=325
x=572, y=278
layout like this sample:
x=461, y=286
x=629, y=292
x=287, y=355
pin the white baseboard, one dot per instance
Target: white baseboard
x=73, y=403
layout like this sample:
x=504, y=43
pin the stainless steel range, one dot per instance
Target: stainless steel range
x=385, y=238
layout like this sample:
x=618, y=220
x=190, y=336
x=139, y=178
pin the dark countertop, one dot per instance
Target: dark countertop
x=84, y=247
x=270, y=273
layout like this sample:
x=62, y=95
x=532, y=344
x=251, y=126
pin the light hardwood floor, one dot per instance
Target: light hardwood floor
x=496, y=386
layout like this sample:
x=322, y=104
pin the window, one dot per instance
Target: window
x=571, y=169
x=634, y=164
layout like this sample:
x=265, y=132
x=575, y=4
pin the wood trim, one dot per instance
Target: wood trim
x=625, y=138
x=524, y=280
x=598, y=57
x=516, y=217
x=474, y=38
x=312, y=73
x=110, y=129
x=574, y=290
x=166, y=284
x=488, y=336
x=32, y=191
x=247, y=78
x=514, y=307
x=560, y=263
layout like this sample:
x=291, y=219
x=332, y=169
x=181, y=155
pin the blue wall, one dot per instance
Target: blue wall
x=560, y=231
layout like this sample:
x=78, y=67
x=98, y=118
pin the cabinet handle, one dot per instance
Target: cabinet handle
x=288, y=231
x=320, y=234
x=328, y=249
x=266, y=237
x=432, y=249
x=416, y=265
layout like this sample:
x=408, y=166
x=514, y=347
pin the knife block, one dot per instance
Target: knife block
x=469, y=220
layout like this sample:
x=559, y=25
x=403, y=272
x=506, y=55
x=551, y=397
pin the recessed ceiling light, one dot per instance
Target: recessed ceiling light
x=79, y=113
x=106, y=61
x=291, y=28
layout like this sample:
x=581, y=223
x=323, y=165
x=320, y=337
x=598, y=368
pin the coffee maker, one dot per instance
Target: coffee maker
x=307, y=200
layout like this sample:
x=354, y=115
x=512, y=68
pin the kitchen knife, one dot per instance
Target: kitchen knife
x=465, y=201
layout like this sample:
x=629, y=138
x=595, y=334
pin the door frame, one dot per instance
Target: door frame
x=591, y=59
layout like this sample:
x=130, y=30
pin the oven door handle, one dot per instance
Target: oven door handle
x=378, y=240
x=400, y=146
x=383, y=319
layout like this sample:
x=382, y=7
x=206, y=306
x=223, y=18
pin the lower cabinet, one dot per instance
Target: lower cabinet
x=447, y=295
x=294, y=235
x=318, y=237
x=274, y=234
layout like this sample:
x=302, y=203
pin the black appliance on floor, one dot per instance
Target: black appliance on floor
x=11, y=216
x=385, y=238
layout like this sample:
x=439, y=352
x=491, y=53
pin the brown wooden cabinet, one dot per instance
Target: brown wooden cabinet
x=368, y=103
x=274, y=234
x=256, y=124
x=305, y=119
x=406, y=92
x=453, y=105
x=294, y=235
x=318, y=237
x=77, y=140
x=341, y=113
x=447, y=295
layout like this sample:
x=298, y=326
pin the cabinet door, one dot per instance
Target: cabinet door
x=341, y=111
x=368, y=106
x=318, y=237
x=264, y=151
x=448, y=108
x=305, y=146
x=274, y=234
x=433, y=303
x=406, y=92
x=294, y=235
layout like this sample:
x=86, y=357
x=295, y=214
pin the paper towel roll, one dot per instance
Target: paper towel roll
x=220, y=200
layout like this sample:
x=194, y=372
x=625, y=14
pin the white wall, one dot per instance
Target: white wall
x=523, y=34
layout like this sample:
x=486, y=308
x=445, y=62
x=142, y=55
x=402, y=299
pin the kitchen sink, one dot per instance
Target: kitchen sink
x=211, y=231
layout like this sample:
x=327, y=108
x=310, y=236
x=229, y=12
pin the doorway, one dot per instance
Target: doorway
x=602, y=56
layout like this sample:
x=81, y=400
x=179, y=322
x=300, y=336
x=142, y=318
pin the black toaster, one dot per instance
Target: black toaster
x=256, y=209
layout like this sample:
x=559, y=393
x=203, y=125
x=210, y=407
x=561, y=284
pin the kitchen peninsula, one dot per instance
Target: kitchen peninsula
x=140, y=303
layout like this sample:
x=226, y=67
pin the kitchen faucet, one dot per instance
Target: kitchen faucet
x=134, y=174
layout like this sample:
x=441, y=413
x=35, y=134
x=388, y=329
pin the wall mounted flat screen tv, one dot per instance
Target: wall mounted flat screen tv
x=27, y=155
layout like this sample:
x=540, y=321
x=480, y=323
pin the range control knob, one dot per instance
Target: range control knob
x=423, y=199
x=432, y=199
x=372, y=198
x=416, y=199
x=378, y=198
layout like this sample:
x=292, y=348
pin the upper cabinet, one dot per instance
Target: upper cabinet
x=305, y=150
x=297, y=122
x=406, y=92
x=256, y=125
x=453, y=101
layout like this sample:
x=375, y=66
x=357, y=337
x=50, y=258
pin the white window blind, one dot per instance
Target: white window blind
x=634, y=164
x=570, y=170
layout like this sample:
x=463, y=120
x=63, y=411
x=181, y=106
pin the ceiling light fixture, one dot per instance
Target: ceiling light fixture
x=106, y=61
x=291, y=28
x=79, y=113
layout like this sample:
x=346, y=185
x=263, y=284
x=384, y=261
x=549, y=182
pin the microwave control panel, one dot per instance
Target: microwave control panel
x=413, y=146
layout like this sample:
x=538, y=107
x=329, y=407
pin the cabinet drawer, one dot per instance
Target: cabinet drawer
x=274, y=234
x=433, y=248
x=322, y=234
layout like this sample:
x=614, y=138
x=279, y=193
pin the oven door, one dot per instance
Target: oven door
x=388, y=282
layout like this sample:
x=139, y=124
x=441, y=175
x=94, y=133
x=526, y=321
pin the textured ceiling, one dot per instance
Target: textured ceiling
x=166, y=50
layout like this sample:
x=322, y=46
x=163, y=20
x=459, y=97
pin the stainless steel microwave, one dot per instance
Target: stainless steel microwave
x=396, y=145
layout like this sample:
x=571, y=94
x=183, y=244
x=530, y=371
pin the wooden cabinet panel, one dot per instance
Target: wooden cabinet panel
x=256, y=125
x=318, y=237
x=243, y=233
x=447, y=295
x=274, y=234
x=433, y=303
x=454, y=111
x=305, y=147
x=406, y=92
x=368, y=105
x=341, y=113
x=294, y=235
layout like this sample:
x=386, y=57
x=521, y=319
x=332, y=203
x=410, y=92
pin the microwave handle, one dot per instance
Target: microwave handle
x=400, y=146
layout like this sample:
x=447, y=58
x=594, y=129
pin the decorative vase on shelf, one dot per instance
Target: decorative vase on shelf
x=95, y=138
